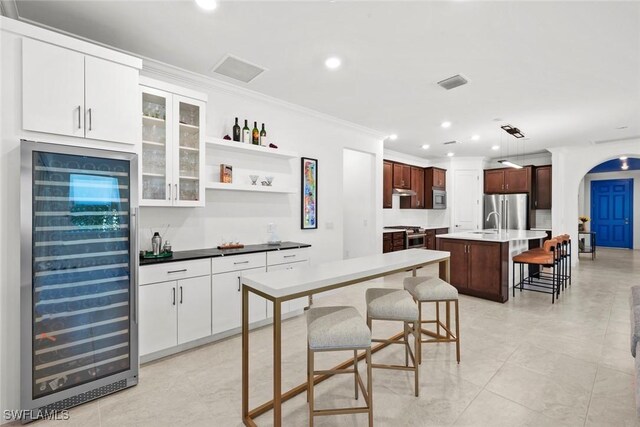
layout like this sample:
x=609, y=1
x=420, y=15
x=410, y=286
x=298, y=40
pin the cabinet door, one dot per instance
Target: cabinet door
x=188, y=154
x=406, y=176
x=439, y=178
x=292, y=305
x=156, y=148
x=158, y=327
x=387, y=244
x=417, y=185
x=484, y=267
x=458, y=263
x=387, y=187
x=543, y=188
x=397, y=176
x=517, y=180
x=52, y=89
x=227, y=301
x=112, y=102
x=494, y=181
x=194, y=308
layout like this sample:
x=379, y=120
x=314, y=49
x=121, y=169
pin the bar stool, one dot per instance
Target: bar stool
x=545, y=257
x=435, y=290
x=396, y=304
x=338, y=329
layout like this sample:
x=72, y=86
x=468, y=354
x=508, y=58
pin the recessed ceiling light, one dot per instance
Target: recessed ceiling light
x=624, y=167
x=450, y=154
x=207, y=5
x=475, y=137
x=425, y=146
x=333, y=63
x=495, y=147
x=393, y=137
x=623, y=158
x=445, y=124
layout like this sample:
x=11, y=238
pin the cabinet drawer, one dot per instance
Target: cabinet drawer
x=288, y=255
x=174, y=271
x=237, y=262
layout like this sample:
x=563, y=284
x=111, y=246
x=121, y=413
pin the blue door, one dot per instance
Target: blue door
x=612, y=212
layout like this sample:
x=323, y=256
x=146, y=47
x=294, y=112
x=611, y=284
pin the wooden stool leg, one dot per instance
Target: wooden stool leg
x=406, y=344
x=437, y=318
x=419, y=355
x=310, y=387
x=448, y=319
x=457, y=332
x=355, y=371
x=369, y=387
x=416, y=348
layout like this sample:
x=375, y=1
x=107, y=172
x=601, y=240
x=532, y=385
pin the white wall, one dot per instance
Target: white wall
x=358, y=204
x=585, y=202
x=247, y=214
x=570, y=165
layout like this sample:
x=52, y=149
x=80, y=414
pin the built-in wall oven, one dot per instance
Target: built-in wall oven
x=416, y=240
x=439, y=199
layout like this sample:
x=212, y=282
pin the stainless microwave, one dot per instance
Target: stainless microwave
x=439, y=199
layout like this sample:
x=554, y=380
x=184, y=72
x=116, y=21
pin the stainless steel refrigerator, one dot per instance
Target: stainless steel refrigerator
x=78, y=301
x=513, y=211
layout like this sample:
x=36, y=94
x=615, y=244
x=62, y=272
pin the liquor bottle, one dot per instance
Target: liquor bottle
x=263, y=137
x=236, y=131
x=255, y=134
x=246, y=133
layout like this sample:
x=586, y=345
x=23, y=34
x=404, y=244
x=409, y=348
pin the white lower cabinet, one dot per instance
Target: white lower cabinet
x=227, y=301
x=294, y=304
x=173, y=313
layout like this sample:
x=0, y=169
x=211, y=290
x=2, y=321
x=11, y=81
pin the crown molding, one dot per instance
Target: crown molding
x=160, y=70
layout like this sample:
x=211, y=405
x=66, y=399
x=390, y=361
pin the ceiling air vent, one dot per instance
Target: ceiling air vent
x=238, y=69
x=453, y=82
x=450, y=142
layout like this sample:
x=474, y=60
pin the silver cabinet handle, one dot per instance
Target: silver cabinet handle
x=177, y=271
x=289, y=256
x=175, y=196
x=90, y=121
x=169, y=192
x=79, y=117
x=238, y=283
x=173, y=290
x=241, y=262
x=180, y=294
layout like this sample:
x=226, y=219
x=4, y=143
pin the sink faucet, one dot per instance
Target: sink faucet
x=498, y=219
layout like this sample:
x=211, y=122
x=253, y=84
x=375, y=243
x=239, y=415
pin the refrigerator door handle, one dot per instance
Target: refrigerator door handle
x=506, y=208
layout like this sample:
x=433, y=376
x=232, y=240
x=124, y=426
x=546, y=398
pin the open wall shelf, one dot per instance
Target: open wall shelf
x=219, y=143
x=248, y=187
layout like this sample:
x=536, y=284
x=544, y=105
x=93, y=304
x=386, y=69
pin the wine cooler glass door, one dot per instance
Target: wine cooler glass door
x=190, y=160
x=81, y=270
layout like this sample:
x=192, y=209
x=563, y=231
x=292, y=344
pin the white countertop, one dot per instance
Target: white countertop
x=284, y=283
x=393, y=230
x=540, y=229
x=505, y=236
x=430, y=227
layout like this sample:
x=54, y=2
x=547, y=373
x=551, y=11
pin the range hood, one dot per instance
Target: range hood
x=401, y=192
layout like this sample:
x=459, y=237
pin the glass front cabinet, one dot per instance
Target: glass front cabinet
x=173, y=127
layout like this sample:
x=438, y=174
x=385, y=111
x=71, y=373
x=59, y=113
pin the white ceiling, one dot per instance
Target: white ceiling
x=563, y=72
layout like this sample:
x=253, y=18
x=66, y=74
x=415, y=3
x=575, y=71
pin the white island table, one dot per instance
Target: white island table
x=285, y=285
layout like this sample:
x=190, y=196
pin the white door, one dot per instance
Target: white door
x=112, y=104
x=188, y=151
x=292, y=305
x=466, y=200
x=227, y=301
x=158, y=327
x=157, y=149
x=52, y=89
x=194, y=308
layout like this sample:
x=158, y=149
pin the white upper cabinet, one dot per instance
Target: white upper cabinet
x=111, y=101
x=65, y=92
x=52, y=89
x=173, y=127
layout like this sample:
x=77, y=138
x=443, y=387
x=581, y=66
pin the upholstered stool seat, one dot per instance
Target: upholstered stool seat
x=430, y=289
x=396, y=304
x=391, y=304
x=337, y=328
x=435, y=290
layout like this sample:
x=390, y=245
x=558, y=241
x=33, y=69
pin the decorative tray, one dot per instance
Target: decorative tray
x=150, y=255
x=233, y=246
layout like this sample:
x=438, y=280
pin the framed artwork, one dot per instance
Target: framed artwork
x=309, y=193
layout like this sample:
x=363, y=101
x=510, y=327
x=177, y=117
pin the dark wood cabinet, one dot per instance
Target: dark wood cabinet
x=417, y=185
x=507, y=180
x=542, y=188
x=393, y=241
x=434, y=178
x=387, y=186
x=401, y=176
x=478, y=268
x=430, y=239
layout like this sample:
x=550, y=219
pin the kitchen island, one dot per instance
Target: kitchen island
x=481, y=260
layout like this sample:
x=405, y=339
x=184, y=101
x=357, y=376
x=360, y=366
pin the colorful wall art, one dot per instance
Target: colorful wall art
x=309, y=193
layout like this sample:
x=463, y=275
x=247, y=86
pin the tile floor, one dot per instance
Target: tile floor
x=525, y=362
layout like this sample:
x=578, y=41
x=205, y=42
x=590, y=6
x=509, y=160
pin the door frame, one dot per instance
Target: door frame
x=631, y=213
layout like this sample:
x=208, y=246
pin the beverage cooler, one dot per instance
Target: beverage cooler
x=78, y=275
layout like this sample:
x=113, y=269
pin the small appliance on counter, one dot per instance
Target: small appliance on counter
x=274, y=239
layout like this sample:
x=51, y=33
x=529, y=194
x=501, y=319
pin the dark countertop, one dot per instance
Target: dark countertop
x=214, y=252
